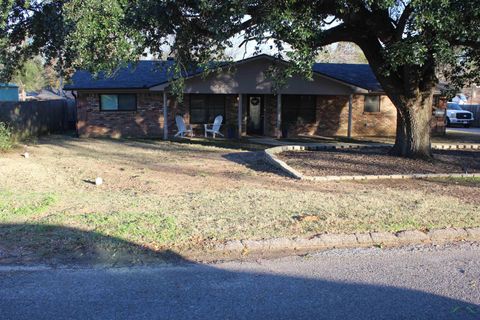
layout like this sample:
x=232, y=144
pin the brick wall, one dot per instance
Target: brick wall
x=332, y=118
x=270, y=115
x=146, y=121
x=383, y=123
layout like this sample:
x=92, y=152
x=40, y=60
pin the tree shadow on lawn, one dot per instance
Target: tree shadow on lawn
x=179, y=145
x=57, y=245
x=186, y=290
x=254, y=161
x=250, y=159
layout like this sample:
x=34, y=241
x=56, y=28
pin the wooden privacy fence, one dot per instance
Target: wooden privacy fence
x=475, y=109
x=38, y=117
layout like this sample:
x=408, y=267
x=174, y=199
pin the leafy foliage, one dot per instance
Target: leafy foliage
x=405, y=42
x=31, y=28
x=400, y=39
x=6, y=137
x=30, y=76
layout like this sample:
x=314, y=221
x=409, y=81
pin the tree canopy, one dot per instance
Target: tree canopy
x=404, y=41
x=31, y=76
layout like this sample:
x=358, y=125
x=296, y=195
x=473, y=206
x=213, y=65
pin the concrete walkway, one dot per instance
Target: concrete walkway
x=408, y=283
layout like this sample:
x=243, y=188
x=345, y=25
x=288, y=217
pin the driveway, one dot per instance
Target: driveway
x=408, y=283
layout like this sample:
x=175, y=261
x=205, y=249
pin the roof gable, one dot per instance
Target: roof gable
x=147, y=74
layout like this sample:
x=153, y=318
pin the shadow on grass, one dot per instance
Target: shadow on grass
x=243, y=144
x=254, y=161
x=51, y=244
x=179, y=149
x=189, y=291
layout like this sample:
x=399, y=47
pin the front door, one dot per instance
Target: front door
x=255, y=115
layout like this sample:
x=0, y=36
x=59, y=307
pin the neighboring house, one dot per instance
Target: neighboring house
x=8, y=92
x=473, y=94
x=48, y=94
x=342, y=100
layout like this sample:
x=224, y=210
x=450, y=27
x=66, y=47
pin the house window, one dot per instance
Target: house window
x=205, y=107
x=118, y=102
x=298, y=109
x=372, y=104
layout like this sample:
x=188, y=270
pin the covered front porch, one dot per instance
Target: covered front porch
x=339, y=100
x=250, y=105
x=254, y=114
x=280, y=115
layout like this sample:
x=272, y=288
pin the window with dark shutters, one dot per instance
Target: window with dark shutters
x=298, y=109
x=205, y=107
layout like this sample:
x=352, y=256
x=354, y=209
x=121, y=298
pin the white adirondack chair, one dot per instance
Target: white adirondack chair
x=182, y=129
x=215, y=127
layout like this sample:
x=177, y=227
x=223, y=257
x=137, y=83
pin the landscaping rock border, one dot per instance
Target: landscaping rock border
x=278, y=246
x=270, y=156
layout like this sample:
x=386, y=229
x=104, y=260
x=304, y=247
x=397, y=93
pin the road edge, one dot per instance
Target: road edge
x=241, y=249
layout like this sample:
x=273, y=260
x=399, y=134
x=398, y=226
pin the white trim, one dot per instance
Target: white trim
x=350, y=111
x=165, y=115
x=279, y=115
x=240, y=115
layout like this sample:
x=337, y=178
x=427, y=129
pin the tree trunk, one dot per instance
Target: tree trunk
x=413, y=127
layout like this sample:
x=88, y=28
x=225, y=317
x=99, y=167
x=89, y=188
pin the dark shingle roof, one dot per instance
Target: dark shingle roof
x=142, y=75
x=146, y=74
x=360, y=75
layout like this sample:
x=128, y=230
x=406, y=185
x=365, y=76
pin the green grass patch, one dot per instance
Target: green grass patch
x=16, y=207
x=466, y=181
x=138, y=227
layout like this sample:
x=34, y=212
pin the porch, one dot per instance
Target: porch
x=245, y=98
x=282, y=115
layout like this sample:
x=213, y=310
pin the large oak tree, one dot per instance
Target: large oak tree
x=405, y=42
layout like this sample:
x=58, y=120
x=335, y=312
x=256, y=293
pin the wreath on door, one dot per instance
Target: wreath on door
x=254, y=101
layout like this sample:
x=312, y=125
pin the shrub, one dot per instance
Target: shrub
x=6, y=137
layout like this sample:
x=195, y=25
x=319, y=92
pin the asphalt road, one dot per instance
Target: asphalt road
x=409, y=283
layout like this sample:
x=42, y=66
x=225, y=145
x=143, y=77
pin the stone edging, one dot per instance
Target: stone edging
x=270, y=156
x=237, y=248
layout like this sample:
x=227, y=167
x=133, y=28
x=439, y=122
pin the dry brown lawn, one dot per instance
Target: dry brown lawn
x=162, y=195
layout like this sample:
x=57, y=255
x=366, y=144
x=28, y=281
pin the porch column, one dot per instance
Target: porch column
x=350, y=107
x=279, y=115
x=165, y=115
x=240, y=115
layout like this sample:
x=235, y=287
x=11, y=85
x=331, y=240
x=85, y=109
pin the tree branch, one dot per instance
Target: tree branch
x=336, y=34
x=402, y=22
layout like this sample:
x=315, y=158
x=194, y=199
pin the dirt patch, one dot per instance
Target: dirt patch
x=169, y=196
x=376, y=161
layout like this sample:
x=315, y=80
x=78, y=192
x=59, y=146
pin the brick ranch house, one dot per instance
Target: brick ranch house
x=341, y=100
